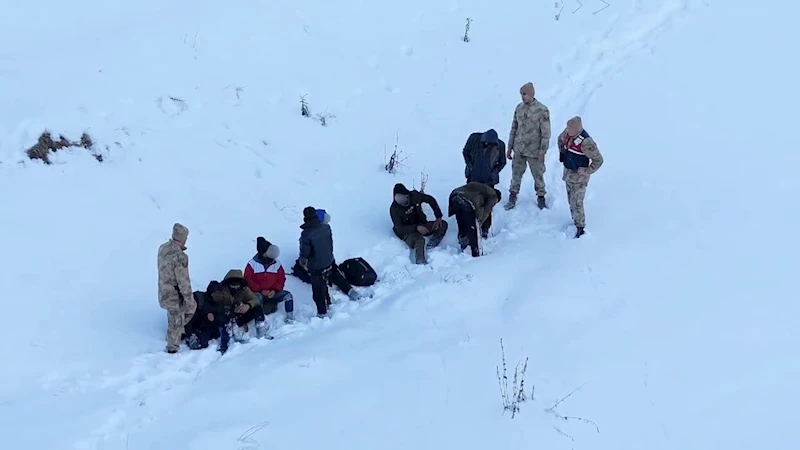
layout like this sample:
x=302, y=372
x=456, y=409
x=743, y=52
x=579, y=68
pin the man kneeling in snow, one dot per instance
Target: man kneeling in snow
x=224, y=311
x=472, y=205
x=266, y=278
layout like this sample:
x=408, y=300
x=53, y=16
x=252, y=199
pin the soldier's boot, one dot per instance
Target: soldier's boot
x=512, y=201
x=580, y=232
x=541, y=203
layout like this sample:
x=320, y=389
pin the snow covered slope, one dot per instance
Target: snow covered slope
x=676, y=315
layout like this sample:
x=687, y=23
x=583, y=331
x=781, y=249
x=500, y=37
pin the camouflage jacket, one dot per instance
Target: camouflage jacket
x=174, y=285
x=530, y=129
x=580, y=156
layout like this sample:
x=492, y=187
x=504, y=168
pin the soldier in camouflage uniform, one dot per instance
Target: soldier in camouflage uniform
x=528, y=144
x=174, y=285
x=581, y=158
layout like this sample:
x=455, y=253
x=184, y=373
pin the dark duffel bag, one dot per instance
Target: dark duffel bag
x=358, y=272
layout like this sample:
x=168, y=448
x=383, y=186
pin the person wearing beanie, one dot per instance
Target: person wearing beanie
x=316, y=257
x=410, y=223
x=581, y=158
x=528, y=143
x=266, y=277
x=472, y=205
x=485, y=157
x=174, y=285
x=335, y=277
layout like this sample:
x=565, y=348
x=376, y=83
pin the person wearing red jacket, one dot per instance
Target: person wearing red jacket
x=266, y=278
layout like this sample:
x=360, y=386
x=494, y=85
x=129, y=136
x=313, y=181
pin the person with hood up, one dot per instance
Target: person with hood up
x=411, y=224
x=336, y=277
x=316, y=257
x=266, y=277
x=485, y=157
x=472, y=205
x=224, y=311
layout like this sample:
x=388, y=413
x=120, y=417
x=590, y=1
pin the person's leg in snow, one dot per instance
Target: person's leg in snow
x=436, y=234
x=467, y=226
x=319, y=290
x=576, y=192
x=417, y=242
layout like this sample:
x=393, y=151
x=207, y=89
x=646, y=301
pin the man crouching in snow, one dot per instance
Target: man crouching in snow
x=266, y=278
x=472, y=205
x=226, y=309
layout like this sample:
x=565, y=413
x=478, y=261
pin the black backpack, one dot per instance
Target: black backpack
x=358, y=272
x=300, y=272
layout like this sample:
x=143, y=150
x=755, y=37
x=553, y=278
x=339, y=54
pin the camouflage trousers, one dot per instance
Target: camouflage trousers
x=575, y=194
x=177, y=319
x=518, y=166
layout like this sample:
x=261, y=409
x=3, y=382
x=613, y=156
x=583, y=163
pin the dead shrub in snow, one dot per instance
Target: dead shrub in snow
x=46, y=145
x=396, y=159
x=305, y=111
x=552, y=410
x=466, y=30
x=512, y=398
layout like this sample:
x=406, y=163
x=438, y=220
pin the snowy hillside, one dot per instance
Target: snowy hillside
x=676, y=315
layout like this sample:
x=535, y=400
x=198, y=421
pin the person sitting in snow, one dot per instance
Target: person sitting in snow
x=227, y=308
x=316, y=257
x=484, y=157
x=472, y=205
x=266, y=278
x=410, y=223
x=336, y=277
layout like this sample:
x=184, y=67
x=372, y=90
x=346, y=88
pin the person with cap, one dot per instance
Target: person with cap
x=266, y=278
x=527, y=144
x=410, y=223
x=316, y=256
x=336, y=277
x=175, y=286
x=472, y=205
x=581, y=158
x=484, y=157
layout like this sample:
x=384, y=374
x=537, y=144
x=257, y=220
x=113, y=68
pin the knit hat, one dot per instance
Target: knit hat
x=179, y=232
x=309, y=212
x=499, y=196
x=490, y=137
x=399, y=188
x=266, y=248
x=528, y=88
x=323, y=216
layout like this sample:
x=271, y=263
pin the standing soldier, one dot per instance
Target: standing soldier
x=174, y=286
x=528, y=144
x=581, y=158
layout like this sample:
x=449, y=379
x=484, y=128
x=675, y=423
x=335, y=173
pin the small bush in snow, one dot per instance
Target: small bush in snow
x=323, y=118
x=512, y=398
x=45, y=145
x=304, y=111
x=466, y=30
x=396, y=159
x=552, y=410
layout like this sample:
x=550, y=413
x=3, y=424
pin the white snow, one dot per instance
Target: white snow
x=676, y=315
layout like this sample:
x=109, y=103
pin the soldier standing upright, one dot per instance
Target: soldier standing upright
x=174, y=285
x=528, y=143
x=581, y=158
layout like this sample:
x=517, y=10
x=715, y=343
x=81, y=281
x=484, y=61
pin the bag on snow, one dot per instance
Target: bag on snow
x=358, y=272
x=300, y=272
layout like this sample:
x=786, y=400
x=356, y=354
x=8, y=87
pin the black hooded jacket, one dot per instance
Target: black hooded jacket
x=406, y=218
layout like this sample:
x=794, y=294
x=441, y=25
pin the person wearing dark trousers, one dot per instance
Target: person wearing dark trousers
x=472, y=205
x=316, y=256
x=410, y=223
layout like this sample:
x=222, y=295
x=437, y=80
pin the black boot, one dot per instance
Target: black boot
x=579, y=233
x=541, y=203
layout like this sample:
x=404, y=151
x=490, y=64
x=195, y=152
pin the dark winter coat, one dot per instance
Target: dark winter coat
x=481, y=196
x=483, y=164
x=224, y=300
x=316, y=243
x=406, y=218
